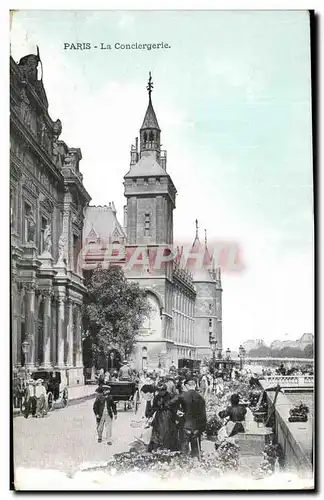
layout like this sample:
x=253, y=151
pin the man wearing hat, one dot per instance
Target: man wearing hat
x=125, y=372
x=105, y=410
x=192, y=411
x=40, y=394
x=30, y=398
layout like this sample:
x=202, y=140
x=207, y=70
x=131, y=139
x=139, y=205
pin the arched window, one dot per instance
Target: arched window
x=145, y=137
x=151, y=137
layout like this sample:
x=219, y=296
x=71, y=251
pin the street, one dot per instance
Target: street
x=66, y=439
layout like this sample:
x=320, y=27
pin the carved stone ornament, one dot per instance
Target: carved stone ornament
x=31, y=186
x=57, y=129
x=45, y=180
x=48, y=238
x=31, y=228
x=25, y=111
x=47, y=205
x=61, y=246
x=30, y=286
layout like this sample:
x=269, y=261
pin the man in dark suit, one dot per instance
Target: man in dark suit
x=104, y=409
x=192, y=410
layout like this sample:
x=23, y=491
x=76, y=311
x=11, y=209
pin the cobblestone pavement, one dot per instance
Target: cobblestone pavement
x=66, y=439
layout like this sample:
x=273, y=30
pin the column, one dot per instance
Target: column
x=60, y=332
x=70, y=333
x=79, y=357
x=14, y=332
x=30, y=324
x=54, y=330
x=47, y=337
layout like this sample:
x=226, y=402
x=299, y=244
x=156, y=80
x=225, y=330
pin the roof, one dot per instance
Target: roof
x=150, y=120
x=146, y=166
x=101, y=221
x=200, y=273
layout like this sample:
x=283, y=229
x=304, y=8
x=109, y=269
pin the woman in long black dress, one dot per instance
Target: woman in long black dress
x=164, y=429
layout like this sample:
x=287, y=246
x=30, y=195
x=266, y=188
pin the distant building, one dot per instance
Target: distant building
x=305, y=339
x=252, y=344
x=47, y=198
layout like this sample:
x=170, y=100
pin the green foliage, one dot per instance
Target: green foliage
x=114, y=311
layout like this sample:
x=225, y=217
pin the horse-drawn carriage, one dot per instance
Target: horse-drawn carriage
x=56, y=391
x=126, y=391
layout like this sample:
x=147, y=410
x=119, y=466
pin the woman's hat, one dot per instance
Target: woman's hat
x=106, y=386
x=39, y=381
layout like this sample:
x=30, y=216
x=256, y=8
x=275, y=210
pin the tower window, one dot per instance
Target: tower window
x=147, y=224
x=210, y=323
x=151, y=137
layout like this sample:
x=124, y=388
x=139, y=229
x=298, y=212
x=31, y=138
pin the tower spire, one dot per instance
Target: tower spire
x=197, y=228
x=150, y=85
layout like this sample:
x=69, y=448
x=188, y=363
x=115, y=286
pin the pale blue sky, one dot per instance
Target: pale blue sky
x=233, y=100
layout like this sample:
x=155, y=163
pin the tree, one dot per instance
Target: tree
x=260, y=352
x=114, y=311
x=309, y=351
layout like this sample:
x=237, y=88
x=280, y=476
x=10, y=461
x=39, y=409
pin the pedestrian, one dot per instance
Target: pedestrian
x=125, y=372
x=192, y=411
x=235, y=413
x=204, y=385
x=30, y=398
x=40, y=394
x=105, y=410
x=170, y=385
x=101, y=376
x=164, y=429
x=210, y=381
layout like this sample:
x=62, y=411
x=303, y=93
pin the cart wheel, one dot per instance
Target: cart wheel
x=65, y=398
x=50, y=401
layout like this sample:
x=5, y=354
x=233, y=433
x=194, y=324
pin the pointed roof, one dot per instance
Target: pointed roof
x=102, y=221
x=150, y=120
x=200, y=273
x=147, y=166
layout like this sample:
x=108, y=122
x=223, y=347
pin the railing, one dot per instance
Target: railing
x=291, y=380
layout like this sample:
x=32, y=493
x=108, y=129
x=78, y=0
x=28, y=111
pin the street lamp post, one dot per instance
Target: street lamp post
x=241, y=356
x=25, y=350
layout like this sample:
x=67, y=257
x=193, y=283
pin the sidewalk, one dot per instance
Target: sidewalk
x=76, y=394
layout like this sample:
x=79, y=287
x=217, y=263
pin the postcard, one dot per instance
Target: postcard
x=161, y=216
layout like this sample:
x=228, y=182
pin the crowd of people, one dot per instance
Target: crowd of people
x=172, y=404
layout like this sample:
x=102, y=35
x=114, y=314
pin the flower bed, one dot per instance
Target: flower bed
x=168, y=464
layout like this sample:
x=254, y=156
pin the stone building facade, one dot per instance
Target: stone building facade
x=186, y=300
x=47, y=202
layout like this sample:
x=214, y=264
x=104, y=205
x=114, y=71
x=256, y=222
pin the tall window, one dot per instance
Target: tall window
x=147, y=224
x=75, y=252
x=44, y=223
x=27, y=214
